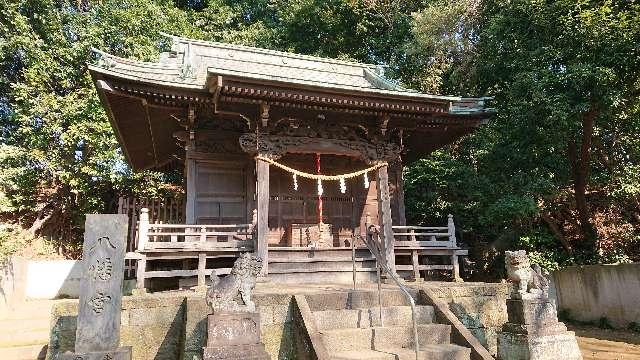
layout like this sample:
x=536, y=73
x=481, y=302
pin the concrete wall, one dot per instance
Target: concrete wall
x=12, y=284
x=594, y=291
x=51, y=279
x=23, y=279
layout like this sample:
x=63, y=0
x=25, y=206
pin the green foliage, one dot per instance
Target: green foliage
x=59, y=156
x=16, y=241
x=58, y=148
x=549, y=65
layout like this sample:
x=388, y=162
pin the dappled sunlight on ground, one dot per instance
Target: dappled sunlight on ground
x=601, y=344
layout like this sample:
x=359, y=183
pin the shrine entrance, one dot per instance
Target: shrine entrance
x=293, y=207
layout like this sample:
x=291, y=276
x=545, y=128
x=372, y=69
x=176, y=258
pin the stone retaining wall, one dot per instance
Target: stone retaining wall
x=173, y=326
x=480, y=307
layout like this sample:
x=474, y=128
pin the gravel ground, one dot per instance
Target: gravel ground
x=603, y=344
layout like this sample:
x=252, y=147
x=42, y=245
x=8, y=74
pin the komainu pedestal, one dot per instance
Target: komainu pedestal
x=234, y=336
x=533, y=331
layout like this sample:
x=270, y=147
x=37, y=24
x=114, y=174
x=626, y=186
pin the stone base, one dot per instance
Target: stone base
x=533, y=332
x=554, y=328
x=122, y=353
x=531, y=311
x=550, y=347
x=234, y=336
x=200, y=288
x=233, y=352
x=233, y=329
x=139, y=292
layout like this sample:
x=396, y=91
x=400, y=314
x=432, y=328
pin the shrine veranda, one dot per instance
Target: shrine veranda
x=289, y=156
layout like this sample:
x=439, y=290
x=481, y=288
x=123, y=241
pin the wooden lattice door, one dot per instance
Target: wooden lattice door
x=221, y=193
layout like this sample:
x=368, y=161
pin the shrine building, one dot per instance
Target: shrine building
x=290, y=156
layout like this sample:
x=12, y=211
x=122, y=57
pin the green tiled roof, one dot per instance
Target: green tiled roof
x=191, y=62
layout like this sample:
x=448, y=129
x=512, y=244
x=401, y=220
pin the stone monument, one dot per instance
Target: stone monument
x=100, y=304
x=532, y=331
x=233, y=328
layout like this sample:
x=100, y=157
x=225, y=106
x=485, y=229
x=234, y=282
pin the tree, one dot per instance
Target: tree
x=565, y=79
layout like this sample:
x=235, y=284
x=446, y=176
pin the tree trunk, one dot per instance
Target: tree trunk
x=557, y=232
x=580, y=168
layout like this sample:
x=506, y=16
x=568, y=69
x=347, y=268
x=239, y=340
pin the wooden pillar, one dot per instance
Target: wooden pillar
x=143, y=229
x=141, y=275
x=416, y=264
x=384, y=216
x=190, y=207
x=262, y=174
x=401, y=218
x=202, y=267
x=456, y=267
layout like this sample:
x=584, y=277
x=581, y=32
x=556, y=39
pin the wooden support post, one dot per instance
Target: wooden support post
x=140, y=275
x=401, y=218
x=202, y=267
x=190, y=207
x=416, y=264
x=143, y=228
x=384, y=217
x=456, y=267
x=262, y=173
x=451, y=229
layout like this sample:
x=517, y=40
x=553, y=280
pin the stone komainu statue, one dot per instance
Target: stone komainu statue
x=232, y=293
x=529, y=279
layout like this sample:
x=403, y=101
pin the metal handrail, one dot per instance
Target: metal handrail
x=381, y=263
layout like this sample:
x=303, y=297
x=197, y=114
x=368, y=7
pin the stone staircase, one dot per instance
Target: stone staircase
x=356, y=333
x=25, y=331
x=328, y=265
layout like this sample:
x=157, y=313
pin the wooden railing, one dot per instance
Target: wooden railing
x=164, y=210
x=426, y=236
x=193, y=237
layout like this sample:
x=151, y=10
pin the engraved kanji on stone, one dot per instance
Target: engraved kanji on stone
x=98, y=302
x=101, y=270
x=102, y=241
x=107, y=356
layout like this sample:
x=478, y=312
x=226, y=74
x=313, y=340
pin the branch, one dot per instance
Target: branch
x=557, y=232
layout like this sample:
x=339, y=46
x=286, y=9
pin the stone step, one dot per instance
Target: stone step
x=358, y=299
x=321, y=259
x=22, y=325
x=34, y=309
x=380, y=338
x=30, y=352
x=276, y=253
x=364, y=318
x=317, y=277
x=23, y=338
x=319, y=266
x=427, y=352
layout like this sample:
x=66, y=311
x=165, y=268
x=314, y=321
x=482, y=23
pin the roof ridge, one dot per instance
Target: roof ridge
x=105, y=54
x=269, y=51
